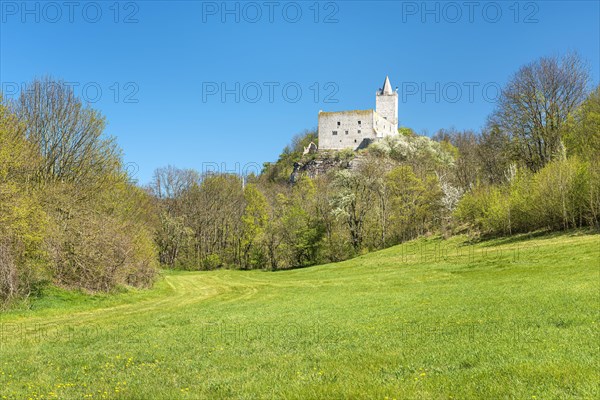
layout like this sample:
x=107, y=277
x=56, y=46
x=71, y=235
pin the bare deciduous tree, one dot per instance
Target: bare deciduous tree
x=536, y=103
x=68, y=134
x=170, y=182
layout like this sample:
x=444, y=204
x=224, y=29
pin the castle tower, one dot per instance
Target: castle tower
x=386, y=103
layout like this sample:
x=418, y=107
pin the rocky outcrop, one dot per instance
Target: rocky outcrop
x=322, y=164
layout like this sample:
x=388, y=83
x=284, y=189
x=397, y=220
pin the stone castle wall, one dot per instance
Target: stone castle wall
x=383, y=127
x=345, y=129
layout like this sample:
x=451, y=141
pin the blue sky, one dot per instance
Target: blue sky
x=163, y=67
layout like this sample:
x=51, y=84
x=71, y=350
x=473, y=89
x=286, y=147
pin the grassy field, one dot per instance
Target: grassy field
x=431, y=319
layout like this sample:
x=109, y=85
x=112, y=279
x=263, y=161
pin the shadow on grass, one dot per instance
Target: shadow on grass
x=293, y=268
x=523, y=237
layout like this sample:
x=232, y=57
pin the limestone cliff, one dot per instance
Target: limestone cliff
x=313, y=165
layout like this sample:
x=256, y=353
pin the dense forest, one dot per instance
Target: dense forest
x=71, y=216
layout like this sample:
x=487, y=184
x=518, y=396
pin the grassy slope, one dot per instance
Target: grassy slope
x=514, y=318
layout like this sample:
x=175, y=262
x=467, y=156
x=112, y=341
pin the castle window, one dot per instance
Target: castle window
x=354, y=140
x=359, y=131
x=334, y=133
x=338, y=123
x=359, y=122
x=346, y=132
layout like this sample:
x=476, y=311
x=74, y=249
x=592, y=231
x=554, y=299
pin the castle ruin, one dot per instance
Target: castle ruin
x=358, y=128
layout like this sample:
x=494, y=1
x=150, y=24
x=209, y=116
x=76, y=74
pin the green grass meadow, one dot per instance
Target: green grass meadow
x=513, y=318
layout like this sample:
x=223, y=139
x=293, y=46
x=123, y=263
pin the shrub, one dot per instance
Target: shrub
x=562, y=195
x=562, y=188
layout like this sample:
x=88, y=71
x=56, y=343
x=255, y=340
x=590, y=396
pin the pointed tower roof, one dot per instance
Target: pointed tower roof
x=387, y=86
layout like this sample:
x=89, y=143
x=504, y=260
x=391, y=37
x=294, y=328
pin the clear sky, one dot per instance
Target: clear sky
x=192, y=83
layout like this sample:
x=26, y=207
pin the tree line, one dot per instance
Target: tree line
x=70, y=214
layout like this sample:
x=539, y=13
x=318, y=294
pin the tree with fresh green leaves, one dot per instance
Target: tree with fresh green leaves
x=583, y=130
x=254, y=222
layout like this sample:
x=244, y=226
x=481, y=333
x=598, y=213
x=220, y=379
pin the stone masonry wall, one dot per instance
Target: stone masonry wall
x=345, y=129
x=383, y=127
